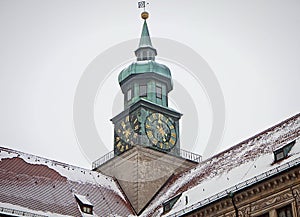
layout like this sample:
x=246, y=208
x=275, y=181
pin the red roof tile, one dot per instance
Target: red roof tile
x=40, y=188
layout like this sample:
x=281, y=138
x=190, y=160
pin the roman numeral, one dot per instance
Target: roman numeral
x=172, y=141
x=119, y=145
x=149, y=134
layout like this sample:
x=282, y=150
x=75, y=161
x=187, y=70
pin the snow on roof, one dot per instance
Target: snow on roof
x=21, y=211
x=39, y=184
x=72, y=173
x=236, y=179
x=83, y=200
x=242, y=162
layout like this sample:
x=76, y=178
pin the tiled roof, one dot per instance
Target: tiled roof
x=244, y=155
x=41, y=185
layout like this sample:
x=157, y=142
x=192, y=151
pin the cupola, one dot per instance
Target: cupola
x=145, y=78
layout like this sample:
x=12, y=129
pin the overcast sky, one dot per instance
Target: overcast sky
x=252, y=47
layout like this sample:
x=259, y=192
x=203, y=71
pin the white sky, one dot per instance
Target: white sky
x=253, y=47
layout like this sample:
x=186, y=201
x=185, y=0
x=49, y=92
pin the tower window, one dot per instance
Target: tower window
x=159, y=92
x=143, y=90
x=129, y=94
x=144, y=55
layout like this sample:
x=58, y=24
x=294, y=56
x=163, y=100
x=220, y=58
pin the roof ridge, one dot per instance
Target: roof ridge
x=264, y=132
x=39, y=158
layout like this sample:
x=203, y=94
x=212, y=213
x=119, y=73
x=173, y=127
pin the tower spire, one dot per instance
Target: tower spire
x=145, y=39
x=145, y=50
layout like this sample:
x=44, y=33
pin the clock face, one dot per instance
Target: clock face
x=126, y=133
x=161, y=131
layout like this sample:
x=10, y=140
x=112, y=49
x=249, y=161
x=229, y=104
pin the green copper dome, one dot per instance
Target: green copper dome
x=145, y=79
x=146, y=66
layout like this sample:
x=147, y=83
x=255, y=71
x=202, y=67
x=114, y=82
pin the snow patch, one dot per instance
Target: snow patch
x=6, y=154
x=14, y=209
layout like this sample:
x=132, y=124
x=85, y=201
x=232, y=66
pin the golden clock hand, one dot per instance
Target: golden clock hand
x=161, y=131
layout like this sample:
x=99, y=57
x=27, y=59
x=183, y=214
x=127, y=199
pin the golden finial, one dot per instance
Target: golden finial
x=145, y=15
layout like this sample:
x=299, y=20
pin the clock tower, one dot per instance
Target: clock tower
x=147, y=149
x=146, y=120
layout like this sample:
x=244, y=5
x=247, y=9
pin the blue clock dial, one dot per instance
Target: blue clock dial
x=126, y=133
x=161, y=131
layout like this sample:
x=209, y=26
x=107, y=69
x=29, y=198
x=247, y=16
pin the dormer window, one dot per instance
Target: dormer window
x=84, y=204
x=282, y=152
x=87, y=210
x=168, y=205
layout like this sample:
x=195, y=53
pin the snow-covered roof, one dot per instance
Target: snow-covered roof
x=241, y=165
x=83, y=200
x=44, y=186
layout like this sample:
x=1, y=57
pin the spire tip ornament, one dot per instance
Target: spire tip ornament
x=145, y=15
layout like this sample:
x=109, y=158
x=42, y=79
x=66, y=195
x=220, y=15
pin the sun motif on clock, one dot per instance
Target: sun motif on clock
x=126, y=133
x=161, y=131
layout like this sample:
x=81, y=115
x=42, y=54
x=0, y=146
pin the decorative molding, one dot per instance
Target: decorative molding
x=245, y=211
x=271, y=201
x=296, y=194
